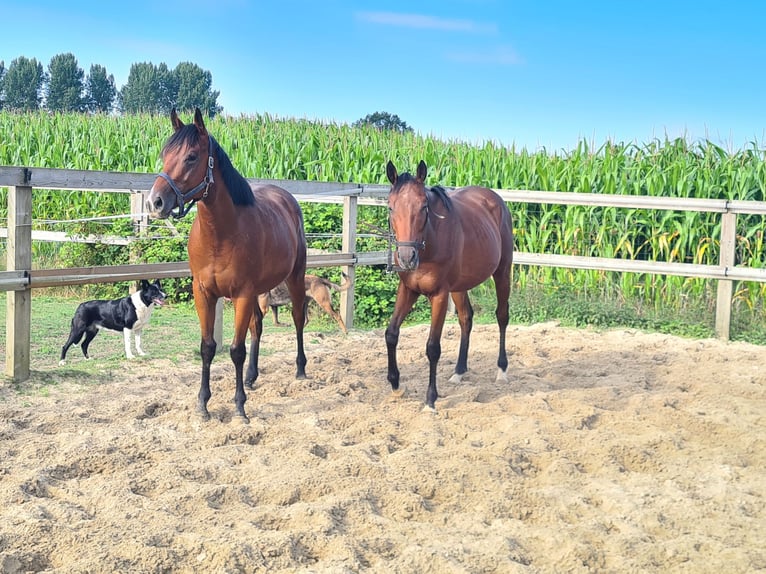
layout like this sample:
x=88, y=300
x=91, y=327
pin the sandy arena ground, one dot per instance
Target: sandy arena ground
x=606, y=452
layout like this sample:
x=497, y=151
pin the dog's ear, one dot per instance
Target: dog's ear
x=144, y=284
x=157, y=283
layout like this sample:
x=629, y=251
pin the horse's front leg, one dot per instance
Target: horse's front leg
x=405, y=299
x=439, y=304
x=244, y=312
x=256, y=329
x=206, y=313
x=465, y=319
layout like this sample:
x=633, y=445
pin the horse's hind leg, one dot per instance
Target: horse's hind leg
x=244, y=312
x=256, y=330
x=296, y=285
x=503, y=290
x=465, y=319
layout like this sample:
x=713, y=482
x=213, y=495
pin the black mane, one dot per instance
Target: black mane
x=441, y=193
x=239, y=188
x=437, y=190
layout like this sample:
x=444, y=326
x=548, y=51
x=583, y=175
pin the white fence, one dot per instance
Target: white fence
x=20, y=278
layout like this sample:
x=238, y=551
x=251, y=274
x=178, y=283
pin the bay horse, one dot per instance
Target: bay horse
x=244, y=241
x=446, y=244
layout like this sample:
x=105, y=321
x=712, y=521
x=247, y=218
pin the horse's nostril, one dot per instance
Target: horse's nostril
x=155, y=205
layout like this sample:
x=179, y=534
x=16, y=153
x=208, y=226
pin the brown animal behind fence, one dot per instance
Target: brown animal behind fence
x=317, y=288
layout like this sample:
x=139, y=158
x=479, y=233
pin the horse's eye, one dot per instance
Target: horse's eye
x=191, y=158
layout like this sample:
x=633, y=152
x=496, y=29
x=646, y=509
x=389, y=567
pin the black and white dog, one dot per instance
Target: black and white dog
x=129, y=315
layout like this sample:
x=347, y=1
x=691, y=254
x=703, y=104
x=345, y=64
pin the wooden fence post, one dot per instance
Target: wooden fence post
x=349, y=246
x=725, y=286
x=140, y=221
x=19, y=303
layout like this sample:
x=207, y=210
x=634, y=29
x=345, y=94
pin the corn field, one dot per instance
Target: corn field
x=265, y=147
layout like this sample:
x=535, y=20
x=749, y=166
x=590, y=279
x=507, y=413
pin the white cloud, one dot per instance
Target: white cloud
x=424, y=22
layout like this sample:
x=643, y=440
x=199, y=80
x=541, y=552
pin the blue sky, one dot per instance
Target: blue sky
x=530, y=73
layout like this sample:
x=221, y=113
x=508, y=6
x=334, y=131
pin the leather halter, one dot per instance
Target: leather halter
x=416, y=244
x=182, y=197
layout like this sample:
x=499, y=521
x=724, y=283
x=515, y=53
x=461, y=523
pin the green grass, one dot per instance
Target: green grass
x=173, y=333
x=575, y=307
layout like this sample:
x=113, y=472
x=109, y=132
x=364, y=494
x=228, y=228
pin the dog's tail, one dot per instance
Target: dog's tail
x=344, y=285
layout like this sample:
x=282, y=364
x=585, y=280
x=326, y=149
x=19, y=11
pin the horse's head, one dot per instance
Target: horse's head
x=408, y=214
x=187, y=169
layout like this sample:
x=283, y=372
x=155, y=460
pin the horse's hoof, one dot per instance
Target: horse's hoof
x=398, y=393
x=62, y=362
x=429, y=409
x=203, y=415
x=249, y=385
x=502, y=376
x=455, y=378
x=243, y=419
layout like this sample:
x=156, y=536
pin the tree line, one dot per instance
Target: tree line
x=156, y=89
x=64, y=87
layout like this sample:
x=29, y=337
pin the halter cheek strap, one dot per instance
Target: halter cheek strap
x=182, y=197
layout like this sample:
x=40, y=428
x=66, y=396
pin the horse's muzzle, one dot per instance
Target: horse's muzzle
x=157, y=206
x=407, y=258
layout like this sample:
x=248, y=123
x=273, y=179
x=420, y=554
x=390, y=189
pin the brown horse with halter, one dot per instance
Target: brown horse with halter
x=446, y=244
x=243, y=242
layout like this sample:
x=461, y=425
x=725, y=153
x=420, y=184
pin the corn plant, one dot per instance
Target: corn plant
x=263, y=146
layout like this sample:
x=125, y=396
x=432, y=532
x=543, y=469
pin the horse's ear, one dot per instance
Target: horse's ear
x=175, y=120
x=391, y=172
x=199, y=122
x=422, y=171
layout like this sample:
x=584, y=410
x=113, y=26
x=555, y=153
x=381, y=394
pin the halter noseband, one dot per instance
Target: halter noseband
x=184, y=197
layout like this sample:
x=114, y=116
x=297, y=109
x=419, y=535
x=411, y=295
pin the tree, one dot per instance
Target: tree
x=2, y=89
x=157, y=89
x=143, y=91
x=195, y=89
x=23, y=83
x=64, y=90
x=100, y=91
x=384, y=121
x=168, y=83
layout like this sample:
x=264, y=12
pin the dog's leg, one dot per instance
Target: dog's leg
x=321, y=294
x=74, y=338
x=339, y=320
x=137, y=335
x=126, y=334
x=89, y=335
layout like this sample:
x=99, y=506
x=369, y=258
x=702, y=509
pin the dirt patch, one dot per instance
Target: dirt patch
x=606, y=452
